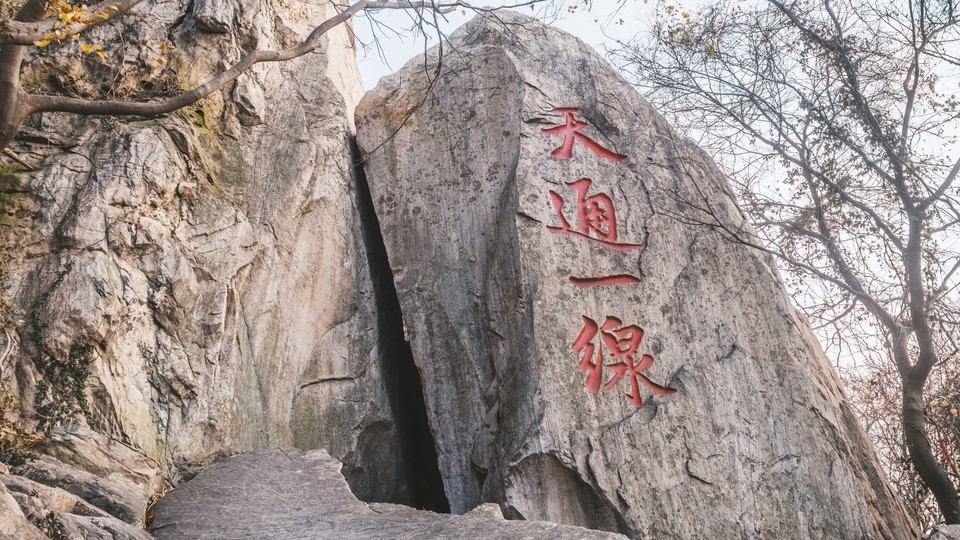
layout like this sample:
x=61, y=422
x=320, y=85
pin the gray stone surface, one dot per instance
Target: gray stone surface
x=289, y=494
x=74, y=527
x=200, y=276
x=97, y=471
x=48, y=498
x=81, y=447
x=757, y=442
x=64, y=515
x=80, y=484
x=14, y=525
x=113, y=494
x=944, y=532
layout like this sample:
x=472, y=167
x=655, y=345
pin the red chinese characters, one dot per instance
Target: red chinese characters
x=613, y=346
x=596, y=217
x=571, y=132
x=596, y=222
x=621, y=342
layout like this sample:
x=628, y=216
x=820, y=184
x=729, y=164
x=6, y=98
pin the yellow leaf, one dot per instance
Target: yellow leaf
x=944, y=402
x=75, y=37
x=101, y=55
x=42, y=43
x=85, y=47
x=102, y=15
x=161, y=61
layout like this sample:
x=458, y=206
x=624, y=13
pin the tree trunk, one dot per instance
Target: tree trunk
x=13, y=110
x=14, y=104
x=921, y=453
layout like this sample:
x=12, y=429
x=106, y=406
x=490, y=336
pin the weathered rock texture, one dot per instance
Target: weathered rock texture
x=284, y=493
x=757, y=441
x=945, y=532
x=84, y=485
x=96, y=471
x=196, y=285
x=13, y=523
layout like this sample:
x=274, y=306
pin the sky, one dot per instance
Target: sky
x=597, y=26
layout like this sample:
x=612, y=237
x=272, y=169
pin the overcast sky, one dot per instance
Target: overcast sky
x=398, y=43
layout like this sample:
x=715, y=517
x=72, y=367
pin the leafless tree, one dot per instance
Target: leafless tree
x=849, y=106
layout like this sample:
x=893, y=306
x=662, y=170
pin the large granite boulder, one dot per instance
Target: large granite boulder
x=588, y=355
x=196, y=285
x=284, y=493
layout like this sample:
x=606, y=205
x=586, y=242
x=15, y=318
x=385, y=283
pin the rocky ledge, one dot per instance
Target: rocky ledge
x=81, y=485
x=287, y=493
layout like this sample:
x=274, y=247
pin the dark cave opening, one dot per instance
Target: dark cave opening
x=417, y=448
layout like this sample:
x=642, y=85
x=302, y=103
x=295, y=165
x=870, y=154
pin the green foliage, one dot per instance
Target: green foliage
x=60, y=394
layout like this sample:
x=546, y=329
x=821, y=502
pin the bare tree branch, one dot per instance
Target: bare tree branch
x=16, y=32
x=16, y=105
x=942, y=189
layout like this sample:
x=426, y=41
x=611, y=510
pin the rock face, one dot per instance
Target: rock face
x=284, y=493
x=944, y=532
x=84, y=485
x=13, y=522
x=589, y=357
x=196, y=285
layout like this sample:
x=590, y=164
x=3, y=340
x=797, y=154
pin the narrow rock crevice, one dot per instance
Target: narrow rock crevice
x=418, y=453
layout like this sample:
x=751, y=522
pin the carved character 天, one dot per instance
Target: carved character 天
x=570, y=129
